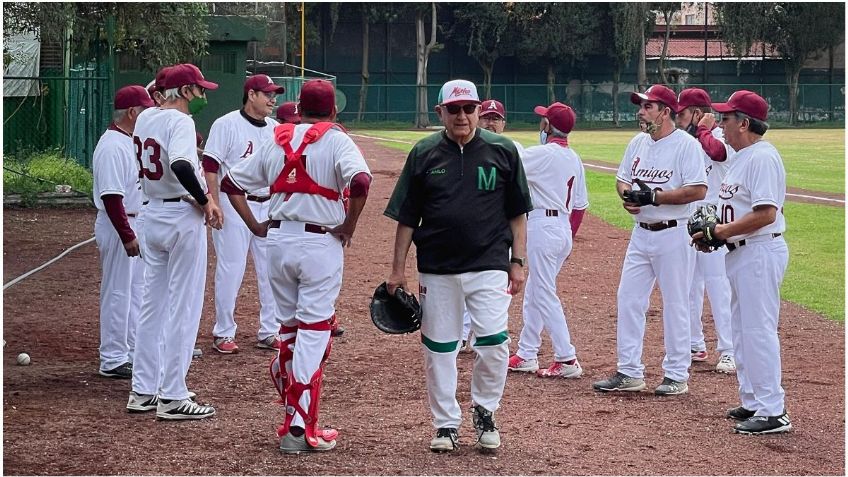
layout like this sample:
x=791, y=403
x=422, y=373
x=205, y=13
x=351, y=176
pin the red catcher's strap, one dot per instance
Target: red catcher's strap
x=294, y=179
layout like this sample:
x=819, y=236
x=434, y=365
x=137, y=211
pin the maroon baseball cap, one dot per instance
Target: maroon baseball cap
x=185, y=74
x=658, y=93
x=287, y=113
x=317, y=96
x=131, y=96
x=559, y=115
x=744, y=101
x=491, y=106
x=262, y=83
x=693, y=97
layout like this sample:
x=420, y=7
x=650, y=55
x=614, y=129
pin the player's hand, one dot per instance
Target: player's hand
x=700, y=246
x=213, y=215
x=631, y=207
x=344, y=234
x=517, y=277
x=132, y=248
x=395, y=281
x=708, y=121
x=260, y=229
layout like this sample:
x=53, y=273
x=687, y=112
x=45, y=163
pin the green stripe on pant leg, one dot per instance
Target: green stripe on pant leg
x=437, y=347
x=492, y=340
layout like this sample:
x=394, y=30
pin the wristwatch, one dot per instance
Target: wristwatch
x=519, y=260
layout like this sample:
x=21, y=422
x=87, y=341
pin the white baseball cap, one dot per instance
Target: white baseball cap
x=458, y=90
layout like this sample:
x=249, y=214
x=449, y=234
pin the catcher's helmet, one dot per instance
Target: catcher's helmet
x=395, y=314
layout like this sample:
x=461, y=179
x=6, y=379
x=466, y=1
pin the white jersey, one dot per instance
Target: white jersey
x=165, y=136
x=115, y=170
x=756, y=177
x=716, y=170
x=670, y=163
x=555, y=177
x=233, y=139
x=331, y=162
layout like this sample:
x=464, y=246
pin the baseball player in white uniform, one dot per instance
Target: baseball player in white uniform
x=660, y=175
x=752, y=222
x=307, y=166
x=117, y=196
x=174, y=248
x=692, y=105
x=233, y=138
x=557, y=185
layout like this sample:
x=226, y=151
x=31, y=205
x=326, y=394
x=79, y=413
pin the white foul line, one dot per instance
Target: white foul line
x=16, y=280
x=604, y=168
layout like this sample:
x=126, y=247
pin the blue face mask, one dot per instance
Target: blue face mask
x=543, y=137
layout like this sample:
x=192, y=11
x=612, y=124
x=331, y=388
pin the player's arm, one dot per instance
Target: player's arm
x=709, y=143
x=185, y=174
x=359, y=185
x=403, y=240
x=114, y=205
x=621, y=187
x=211, y=169
x=761, y=216
x=238, y=199
x=682, y=195
x=517, y=275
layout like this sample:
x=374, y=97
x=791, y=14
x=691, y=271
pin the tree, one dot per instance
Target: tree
x=169, y=32
x=667, y=10
x=489, y=32
x=556, y=34
x=423, y=48
x=797, y=31
x=370, y=13
x=624, y=24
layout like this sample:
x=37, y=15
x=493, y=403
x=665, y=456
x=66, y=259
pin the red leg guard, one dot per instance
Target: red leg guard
x=294, y=390
x=281, y=363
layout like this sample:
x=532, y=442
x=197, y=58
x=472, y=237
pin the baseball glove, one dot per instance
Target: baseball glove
x=395, y=314
x=644, y=196
x=705, y=220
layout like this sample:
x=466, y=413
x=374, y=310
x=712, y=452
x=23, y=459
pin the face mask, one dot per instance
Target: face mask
x=692, y=129
x=543, y=137
x=197, y=104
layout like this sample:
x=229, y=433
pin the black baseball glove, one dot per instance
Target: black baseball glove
x=705, y=220
x=395, y=314
x=644, y=196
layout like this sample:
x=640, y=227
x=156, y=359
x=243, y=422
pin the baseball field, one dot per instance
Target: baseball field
x=61, y=418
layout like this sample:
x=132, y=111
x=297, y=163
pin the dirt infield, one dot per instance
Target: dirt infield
x=60, y=417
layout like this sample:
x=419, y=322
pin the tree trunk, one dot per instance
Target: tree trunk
x=616, y=79
x=793, y=70
x=551, y=82
x=487, y=78
x=423, y=49
x=363, y=89
x=667, y=17
x=641, y=76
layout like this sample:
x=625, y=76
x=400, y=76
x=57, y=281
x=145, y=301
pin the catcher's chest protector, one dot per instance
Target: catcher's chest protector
x=294, y=178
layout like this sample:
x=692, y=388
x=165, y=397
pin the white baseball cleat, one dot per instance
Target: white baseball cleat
x=517, y=363
x=726, y=364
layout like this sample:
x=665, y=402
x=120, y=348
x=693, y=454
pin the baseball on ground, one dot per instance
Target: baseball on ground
x=23, y=359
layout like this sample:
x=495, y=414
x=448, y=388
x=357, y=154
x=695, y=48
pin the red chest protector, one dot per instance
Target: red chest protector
x=293, y=179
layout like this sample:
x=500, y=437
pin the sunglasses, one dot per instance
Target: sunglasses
x=467, y=108
x=270, y=95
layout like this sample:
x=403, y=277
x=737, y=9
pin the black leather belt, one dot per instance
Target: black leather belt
x=733, y=246
x=657, y=226
x=131, y=215
x=311, y=228
x=551, y=213
x=173, y=199
x=256, y=198
x=145, y=202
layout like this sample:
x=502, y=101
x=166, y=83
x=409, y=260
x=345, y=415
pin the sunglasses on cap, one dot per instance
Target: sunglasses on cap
x=468, y=108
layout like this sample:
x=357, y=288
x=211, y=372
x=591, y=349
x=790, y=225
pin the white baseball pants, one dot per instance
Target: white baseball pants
x=664, y=257
x=710, y=273
x=443, y=298
x=756, y=272
x=232, y=243
x=175, y=257
x=548, y=245
x=119, y=298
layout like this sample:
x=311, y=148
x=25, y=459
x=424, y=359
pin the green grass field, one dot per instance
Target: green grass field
x=814, y=158
x=815, y=234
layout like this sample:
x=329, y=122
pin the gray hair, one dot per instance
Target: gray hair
x=118, y=114
x=556, y=132
x=756, y=126
x=171, y=94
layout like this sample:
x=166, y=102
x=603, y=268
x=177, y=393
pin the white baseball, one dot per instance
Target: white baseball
x=23, y=359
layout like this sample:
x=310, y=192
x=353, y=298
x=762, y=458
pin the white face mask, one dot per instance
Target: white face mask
x=543, y=137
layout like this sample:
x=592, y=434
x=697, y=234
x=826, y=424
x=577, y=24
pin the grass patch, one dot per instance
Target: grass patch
x=37, y=172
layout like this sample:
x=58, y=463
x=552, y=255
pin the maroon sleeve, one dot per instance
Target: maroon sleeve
x=359, y=185
x=210, y=165
x=575, y=219
x=711, y=145
x=228, y=187
x=114, y=205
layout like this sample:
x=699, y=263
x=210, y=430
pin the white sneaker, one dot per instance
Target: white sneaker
x=142, y=402
x=726, y=364
x=561, y=369
x=488, y=436
x=181, y=409
x=517, y=363
x=446, y=440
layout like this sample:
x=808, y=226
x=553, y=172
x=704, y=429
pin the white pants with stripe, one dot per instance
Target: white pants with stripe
x=443, y=299
x=175, y=278
x=662, y=257
x=232, y=244
x=756, y=272
x=548, y=245
x=120, y=294
x=305, y=271
x=710, y=273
